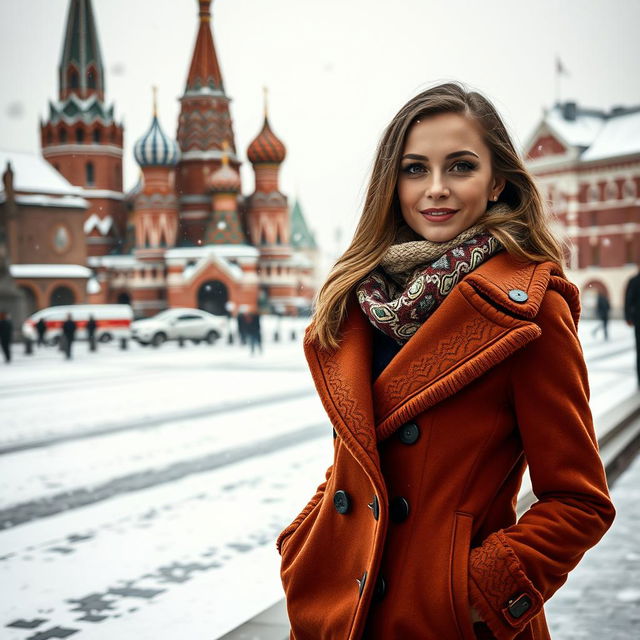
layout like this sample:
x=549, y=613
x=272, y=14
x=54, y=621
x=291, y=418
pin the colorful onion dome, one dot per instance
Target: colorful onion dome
x=266, y=147
x=225, y=178
x=156, y=148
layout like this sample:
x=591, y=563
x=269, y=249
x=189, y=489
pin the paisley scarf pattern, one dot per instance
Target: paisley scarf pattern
x=398, y=303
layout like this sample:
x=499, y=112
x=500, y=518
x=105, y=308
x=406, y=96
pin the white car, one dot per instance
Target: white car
x=176, y=324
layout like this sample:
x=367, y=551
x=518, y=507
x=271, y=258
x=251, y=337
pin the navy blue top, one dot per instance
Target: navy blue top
x=384, y=350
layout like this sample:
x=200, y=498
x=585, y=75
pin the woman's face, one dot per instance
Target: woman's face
x=445, y=180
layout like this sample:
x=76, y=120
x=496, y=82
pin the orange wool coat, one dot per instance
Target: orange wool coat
x=416, y=519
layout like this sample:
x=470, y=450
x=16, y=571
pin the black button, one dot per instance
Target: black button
x=399, y=509
x=361, y=582
x=519, y=606
x=374, y=505
x=409, y=433
x=380, y=588
x=518, y=295
x=341, y=501
x=335, y=435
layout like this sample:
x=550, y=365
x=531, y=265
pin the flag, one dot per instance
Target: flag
x=561, y=70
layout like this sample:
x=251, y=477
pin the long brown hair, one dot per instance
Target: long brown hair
x=525, y=233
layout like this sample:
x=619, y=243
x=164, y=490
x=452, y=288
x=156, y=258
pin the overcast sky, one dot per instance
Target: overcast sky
x=337, y=71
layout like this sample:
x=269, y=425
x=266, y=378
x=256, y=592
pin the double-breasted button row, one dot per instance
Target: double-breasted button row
x=374, y=505
x=341, y=501
x=398, y=507
x=361, y=582
x=409, y=433
x=380, y=589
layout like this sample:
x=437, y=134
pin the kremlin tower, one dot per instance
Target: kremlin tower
x=81, y=138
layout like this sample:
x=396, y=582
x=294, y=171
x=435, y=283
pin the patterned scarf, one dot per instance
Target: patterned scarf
x=414, y=277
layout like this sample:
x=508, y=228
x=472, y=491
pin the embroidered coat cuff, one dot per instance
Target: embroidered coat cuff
x=499, y=588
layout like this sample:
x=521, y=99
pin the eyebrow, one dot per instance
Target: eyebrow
x=455, y=154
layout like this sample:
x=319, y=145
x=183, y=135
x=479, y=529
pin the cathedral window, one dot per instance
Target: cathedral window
x=74, y=79
x=629, y=189
x=63, y=135
x=628, y=250
x=90, y=174
x=91, y=78
x=96, y=135
x=595, y=254
x=79, y=136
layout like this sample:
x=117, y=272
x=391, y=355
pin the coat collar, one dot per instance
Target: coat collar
x=486, y=318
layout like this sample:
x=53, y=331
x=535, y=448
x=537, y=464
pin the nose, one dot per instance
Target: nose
x=436, y=188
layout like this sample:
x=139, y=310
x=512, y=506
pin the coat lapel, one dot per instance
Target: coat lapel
x=478, y=325
x=343, y=381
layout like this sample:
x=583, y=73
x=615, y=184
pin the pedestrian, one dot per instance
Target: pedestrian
x=445, y=351
x=254, y=332
x=41, y=329
x=6, y=334
x=92, y=326
x=602, y=313
x=242, y=325
x=632, y=313
x=69, y=332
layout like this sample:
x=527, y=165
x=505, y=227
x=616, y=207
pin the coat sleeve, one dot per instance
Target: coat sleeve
x=305, y=512
x=517, y=569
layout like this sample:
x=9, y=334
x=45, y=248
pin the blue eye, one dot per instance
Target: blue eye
x=413, y=169
x=466, y=166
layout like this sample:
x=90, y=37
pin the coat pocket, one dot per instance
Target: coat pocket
x=459, y=573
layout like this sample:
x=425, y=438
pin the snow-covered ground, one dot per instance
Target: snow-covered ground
x=141, y=491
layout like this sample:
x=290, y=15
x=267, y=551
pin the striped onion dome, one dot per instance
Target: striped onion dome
x=225, y=179
x=155, y=148
x=266, y=147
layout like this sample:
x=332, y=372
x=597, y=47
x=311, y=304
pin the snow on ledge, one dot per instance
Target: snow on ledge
x=220, y=250
x=49, y=271
x=94, y=221
x=72, y=202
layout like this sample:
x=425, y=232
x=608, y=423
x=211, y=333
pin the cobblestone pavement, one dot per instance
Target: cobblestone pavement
x=601, y=598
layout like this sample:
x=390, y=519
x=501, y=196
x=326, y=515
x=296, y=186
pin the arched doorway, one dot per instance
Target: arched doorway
x=124, y=298
x=62, y=295
x=30, y=302
x=213, y=296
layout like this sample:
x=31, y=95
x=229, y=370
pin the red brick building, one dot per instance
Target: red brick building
x=44, y=214
x=185, y=235
x=587, y=163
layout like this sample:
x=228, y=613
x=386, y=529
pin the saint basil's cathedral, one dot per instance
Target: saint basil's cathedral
x=185, y=236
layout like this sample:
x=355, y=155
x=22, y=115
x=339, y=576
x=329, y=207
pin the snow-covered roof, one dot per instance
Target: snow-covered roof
x=39, y=200
x=620, y=136
x=49, y=271
x=33, y=174
x=221, y=250
x=114, y=262
x=580, y=132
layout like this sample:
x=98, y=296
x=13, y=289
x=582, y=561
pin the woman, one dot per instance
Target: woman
x=445, y=352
